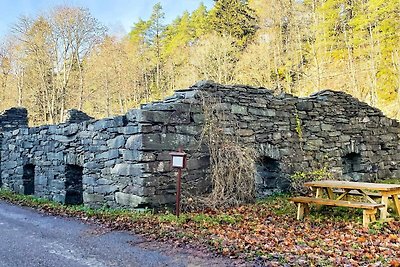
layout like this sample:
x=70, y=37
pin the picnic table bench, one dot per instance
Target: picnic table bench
x=372, y=200
x=369, y=209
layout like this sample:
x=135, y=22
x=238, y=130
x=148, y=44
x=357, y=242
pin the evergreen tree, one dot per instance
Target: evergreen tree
x=139, y=35
x=149, y=36
x=198, y=23
x=234, y=18
x=177, y=34
x=156, y=32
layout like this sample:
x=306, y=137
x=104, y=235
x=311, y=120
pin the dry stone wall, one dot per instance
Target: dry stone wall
x=9, y=120
x=124, y=161
x=13, y=118
x=329, y=131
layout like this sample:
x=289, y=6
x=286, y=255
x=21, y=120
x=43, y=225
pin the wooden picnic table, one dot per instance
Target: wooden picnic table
x=385, y=192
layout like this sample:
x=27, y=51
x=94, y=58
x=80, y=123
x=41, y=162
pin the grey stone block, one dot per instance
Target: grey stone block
x=93, y=165
x=135, y=142
x=304, y=106
x=116, y=142
x=126, y=169
x=129, y=200
x=92, y=198
x=168, y=141
x=262, y=112
x=132, y=114
x=104, y=181
x=128, y=130
x=108, y=155
x=41, y=180
x=105, y=189
x=88, y=180
x=236, y=109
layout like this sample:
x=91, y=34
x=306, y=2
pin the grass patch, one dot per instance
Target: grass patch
x=69, y=210
x=390, y=181
x=279, y=204
x=220, y=219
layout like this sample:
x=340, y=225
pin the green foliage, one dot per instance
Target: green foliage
x=389, y=181
x=315, y=175
x=216, y=219
x=234, y=18
x=279, y=204
x=199, y=24
x=156, y=26
x=299, y=129
x=51, y=206
x=298, y=179
x=171, y=218
x=138, y=34
x=177, y=34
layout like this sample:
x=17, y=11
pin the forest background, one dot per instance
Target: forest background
x=65, y=58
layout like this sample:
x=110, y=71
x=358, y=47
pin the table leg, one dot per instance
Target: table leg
x=330, y=194
x=396, y=204
x=368, y=217
x=319, y=193
x=383, y=210
x=301, y=209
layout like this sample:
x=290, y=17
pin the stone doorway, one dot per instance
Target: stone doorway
x=351, y=164
x=269, y=176
x=28, y=179
x=73, y=184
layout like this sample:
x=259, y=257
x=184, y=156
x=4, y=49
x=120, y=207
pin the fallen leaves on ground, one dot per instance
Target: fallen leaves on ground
x=264, y=233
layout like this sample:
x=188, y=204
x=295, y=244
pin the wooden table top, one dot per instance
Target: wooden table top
x=353, y=185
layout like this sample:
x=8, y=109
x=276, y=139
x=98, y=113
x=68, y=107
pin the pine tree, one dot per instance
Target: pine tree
x=149, y=36
x=138, y=34
x=198, y=23
x=156, y=32
x=177, y=34
x=234, y=18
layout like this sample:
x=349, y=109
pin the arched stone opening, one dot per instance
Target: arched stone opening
x=269, y=176
x=73, y=184
x=28, y=179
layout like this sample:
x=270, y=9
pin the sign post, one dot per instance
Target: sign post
x=179, y=162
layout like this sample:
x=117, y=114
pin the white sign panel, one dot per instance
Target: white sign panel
x=177, y=162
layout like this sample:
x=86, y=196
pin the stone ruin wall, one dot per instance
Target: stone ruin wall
x=329, y=129
x=9, y=120
x=124, y=161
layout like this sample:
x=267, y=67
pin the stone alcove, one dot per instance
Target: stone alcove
x=269, y=177
x=28, y=179
x=73, y=184
x=351, y=162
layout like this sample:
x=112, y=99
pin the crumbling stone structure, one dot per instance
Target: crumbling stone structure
x=124, y=161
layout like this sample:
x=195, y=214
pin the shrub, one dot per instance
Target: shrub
x=298, y=179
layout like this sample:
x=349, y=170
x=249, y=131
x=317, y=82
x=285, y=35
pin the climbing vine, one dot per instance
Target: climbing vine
x=232, y=164
x=299, y=129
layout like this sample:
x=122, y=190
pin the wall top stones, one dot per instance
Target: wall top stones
x=13, y=118
x=17, y=117
x=76, y=116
